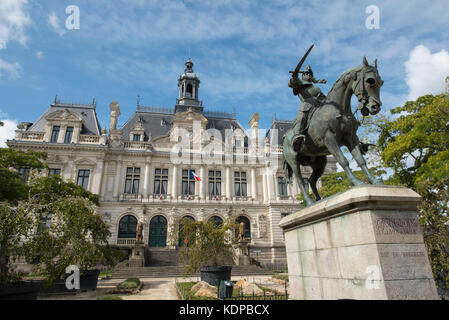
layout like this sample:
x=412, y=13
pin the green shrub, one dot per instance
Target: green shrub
x=131, y=283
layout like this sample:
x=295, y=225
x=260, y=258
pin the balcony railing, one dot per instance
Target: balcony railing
x=137, y=145
x=89, y=139
x=126, y=242
x=33, y=136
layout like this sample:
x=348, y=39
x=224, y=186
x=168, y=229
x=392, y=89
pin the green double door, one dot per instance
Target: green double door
x=158, y=232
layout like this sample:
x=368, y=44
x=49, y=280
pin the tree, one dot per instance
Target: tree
x=56, y=226
x=69, y=232
x=12, y=186
x=207, y=244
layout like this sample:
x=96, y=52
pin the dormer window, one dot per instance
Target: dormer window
x=136, y=137
x=68, y=135
x=55, y=134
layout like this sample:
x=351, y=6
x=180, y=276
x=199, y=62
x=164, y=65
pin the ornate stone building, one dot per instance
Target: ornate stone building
x=137, y=174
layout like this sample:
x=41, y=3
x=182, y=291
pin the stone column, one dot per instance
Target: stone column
x=118, y=177
x=253, y=184
x=175, y=182
x=265, y=186
x=270, y=187
x=61, y=135
x=98, y=177
x=146, y=183
x=202, y=183
x=228, y=183
x=365, y=243
x=76, y=133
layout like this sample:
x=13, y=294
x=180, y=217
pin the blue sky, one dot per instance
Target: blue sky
x=242, y=52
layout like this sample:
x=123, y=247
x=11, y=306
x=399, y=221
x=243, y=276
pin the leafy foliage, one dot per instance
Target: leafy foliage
x=15, y=223
x=207, y=244
x=52, y=223
x=76, y=236
x=12, y=187
x=130, y=283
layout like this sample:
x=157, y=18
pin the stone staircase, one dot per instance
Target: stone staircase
x=178, y=272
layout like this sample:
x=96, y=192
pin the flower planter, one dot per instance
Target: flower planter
x=26, y=290
x=89, y=279
x=88, y=282
x=213, y=275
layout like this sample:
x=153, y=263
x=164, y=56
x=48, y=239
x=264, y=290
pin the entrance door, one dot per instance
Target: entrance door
x=158, y=232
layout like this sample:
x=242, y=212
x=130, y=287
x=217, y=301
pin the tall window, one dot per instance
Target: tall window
x=240, y=184
x=160, y=181
x=282, y=186
x=188, y=183
x=56, y=172
x=215, y=183
x=55, y=134
x=24, y=173
x=68, y=135
x=127, y=227
x=216, y=220
x=132, y=180
x=83, y=178
x=136, y=137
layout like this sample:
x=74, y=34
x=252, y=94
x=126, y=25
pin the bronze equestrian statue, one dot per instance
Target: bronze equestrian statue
x=326, y=123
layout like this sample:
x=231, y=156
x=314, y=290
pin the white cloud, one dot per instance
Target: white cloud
x=7, y=131
x=39, y=54
x=13, y=20
x=13, y=69
x=426, y=72
x=54, y=22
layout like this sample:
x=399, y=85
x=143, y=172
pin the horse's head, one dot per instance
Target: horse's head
x=367, y=88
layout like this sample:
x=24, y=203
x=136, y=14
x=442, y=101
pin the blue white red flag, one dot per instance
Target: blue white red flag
x=194, y=176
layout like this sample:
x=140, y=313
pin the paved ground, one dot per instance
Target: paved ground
x=154, y=289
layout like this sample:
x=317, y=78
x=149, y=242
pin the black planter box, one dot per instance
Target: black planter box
x=26, y=290
x=213, y=275
x=89, y=279
x=88, y=282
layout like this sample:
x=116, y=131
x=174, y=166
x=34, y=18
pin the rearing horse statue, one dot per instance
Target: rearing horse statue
x=333, y=125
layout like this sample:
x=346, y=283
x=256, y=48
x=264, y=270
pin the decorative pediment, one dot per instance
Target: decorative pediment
x=189, y=116
x=63, y=115
x=138, y=127
x=85, y=162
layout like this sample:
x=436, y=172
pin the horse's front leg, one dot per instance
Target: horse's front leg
x=330, y=140
x=353, y=144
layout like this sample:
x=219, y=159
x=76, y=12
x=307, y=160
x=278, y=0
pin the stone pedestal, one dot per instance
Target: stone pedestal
x=137, y=259
x=242, y=257
x=365, y=243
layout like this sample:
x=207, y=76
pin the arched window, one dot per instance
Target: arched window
x=127, y=227
x=245, y=220
x=189, y=90
x=158, y=232
x=180, y=239
x=216, y=220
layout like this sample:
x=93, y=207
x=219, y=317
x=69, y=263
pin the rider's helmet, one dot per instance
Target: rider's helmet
x=308, y=70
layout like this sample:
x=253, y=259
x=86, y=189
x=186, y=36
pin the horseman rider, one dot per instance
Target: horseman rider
x=309, y=95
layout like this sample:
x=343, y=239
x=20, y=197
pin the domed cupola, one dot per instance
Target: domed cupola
x=188, y=84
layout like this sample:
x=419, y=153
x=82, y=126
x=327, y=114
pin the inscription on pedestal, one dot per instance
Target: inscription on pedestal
x=385, y=226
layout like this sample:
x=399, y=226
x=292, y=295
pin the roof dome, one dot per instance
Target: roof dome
x=188, y=72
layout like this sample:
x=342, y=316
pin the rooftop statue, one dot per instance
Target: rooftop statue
x=326, y=123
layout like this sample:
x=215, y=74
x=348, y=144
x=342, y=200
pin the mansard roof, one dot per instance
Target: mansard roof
x=87, y=113
x=158, y=121
x=282, y=126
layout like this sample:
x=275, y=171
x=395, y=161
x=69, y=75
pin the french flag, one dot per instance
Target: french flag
x=194, y=176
